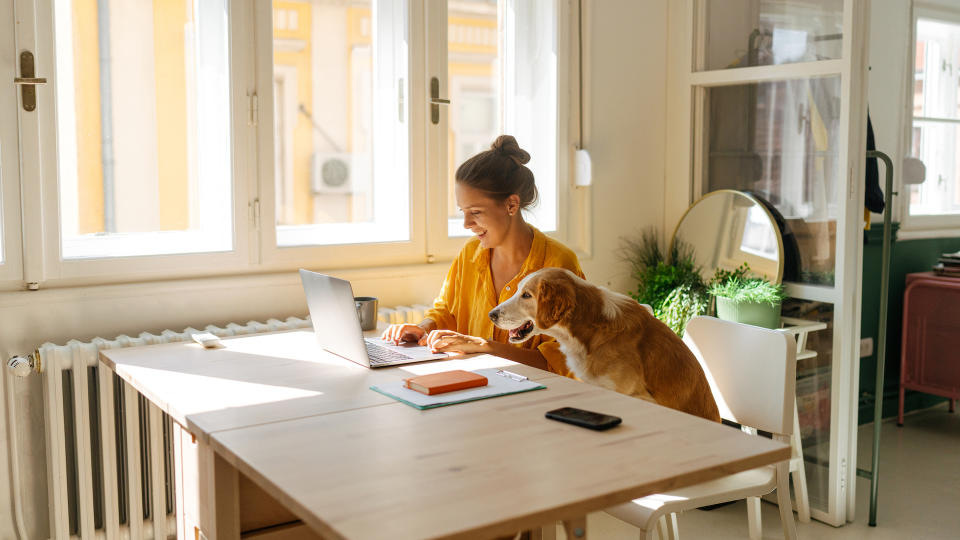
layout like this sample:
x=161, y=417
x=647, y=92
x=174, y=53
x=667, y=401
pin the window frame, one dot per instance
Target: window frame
x=255, y=248
x=11, y=261
x=278, y=257
x=44, y=260
x=919, y=226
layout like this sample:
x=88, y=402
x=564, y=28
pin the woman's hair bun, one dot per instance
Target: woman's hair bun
x=508, y=146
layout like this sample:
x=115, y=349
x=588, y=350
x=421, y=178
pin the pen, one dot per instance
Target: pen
x=511, y=375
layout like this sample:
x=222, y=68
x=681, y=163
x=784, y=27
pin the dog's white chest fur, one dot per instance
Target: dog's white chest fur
x=576, y=355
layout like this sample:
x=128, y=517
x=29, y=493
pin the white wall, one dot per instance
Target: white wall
x=626, y=123
x=889, y=68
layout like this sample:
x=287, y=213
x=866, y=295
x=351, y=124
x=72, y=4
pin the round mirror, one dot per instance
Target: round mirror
x=727, y=228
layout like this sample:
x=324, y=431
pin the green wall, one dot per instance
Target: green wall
x=907, y=257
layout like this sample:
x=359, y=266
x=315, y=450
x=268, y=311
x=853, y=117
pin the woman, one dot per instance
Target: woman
x=491, y=189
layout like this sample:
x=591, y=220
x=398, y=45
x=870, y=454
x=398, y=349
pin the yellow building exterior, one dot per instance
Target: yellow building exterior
x=296, y=49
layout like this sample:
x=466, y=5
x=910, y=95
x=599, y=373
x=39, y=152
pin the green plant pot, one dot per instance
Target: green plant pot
x=755, y=313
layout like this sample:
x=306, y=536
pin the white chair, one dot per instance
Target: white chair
x=752, y=373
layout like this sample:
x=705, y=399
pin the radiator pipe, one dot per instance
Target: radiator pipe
x=14, y=457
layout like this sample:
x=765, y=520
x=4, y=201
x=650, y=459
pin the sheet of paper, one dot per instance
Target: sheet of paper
x=497, y=385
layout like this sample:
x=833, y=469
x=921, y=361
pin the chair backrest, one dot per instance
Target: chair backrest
x=751, y=371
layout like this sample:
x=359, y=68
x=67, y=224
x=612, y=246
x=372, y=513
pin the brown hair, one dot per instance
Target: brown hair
x=500, y=172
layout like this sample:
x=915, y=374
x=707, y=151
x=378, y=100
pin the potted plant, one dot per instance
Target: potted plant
x=672, y=285
x=749, y=300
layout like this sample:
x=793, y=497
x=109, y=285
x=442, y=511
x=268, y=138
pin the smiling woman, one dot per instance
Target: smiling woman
x=492, y=188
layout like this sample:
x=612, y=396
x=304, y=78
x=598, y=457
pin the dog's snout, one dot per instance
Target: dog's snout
x=494, y=314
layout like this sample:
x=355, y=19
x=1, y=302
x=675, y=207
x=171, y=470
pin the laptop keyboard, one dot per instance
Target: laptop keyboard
x=381, y=356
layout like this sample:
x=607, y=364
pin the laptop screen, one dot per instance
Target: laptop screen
x=334, y=315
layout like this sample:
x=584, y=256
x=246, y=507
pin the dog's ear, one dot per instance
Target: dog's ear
x=555, y=299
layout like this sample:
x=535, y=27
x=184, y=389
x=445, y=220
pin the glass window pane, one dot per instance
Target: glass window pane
x=937, y=144
x=742, y=33
x=937, y=70
x=936, y=107
x=506, y=86
x=813, y=394
x=780, y=141
x=474, y=82
x=143, y=127
x=340, y=122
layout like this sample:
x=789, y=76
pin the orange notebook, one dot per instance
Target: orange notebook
x=445, y=381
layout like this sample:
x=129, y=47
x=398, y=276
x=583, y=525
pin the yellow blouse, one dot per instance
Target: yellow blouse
x=468, y=294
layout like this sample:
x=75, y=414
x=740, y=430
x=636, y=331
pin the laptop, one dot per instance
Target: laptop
x=337, y=326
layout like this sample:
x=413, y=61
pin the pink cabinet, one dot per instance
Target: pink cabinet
x=930, y=357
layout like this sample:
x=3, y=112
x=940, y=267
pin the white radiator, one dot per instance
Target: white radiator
x=109, y=452
x=402, y=314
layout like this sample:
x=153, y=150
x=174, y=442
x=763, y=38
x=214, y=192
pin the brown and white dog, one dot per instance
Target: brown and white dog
x=609, y=340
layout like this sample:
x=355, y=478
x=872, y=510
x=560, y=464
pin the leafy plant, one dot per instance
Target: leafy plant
x=722, y=276
x=741, y=289
x=672, y=285
x=680, y=305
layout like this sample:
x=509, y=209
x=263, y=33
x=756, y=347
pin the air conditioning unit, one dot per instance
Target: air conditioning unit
x=332, y=173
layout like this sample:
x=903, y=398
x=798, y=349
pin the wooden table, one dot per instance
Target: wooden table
x=272, y=417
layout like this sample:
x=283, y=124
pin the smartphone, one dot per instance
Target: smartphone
x=582, y=418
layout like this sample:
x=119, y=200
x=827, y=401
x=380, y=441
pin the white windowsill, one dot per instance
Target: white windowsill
x=917, y=233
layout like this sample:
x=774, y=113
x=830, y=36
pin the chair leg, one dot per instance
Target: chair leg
x=900, y=407
x=754, y=524
x=799, y=474
x=673, y=531
x=662, y=532
x=783, y=501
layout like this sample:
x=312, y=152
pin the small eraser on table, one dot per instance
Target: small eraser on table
x=208, y=340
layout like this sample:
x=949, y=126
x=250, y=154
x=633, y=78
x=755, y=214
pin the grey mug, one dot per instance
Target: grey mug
x=366, y=311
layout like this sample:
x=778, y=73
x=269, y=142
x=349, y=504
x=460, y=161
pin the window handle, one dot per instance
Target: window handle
x=436, y=100
x=28, y=80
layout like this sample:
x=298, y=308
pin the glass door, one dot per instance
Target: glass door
x=778, y=111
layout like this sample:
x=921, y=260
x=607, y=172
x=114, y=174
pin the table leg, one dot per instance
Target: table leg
x=575, y=528
x=218, y=500
x=546, y=532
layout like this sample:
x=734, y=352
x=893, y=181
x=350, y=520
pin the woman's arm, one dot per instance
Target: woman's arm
x=428, y=325
x=530, y=357
x=455, y=342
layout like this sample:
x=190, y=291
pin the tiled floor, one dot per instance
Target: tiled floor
x=919, y=492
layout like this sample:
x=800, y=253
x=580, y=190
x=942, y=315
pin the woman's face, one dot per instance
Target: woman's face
x=485, y=217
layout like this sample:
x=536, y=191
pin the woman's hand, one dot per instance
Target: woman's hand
x=404, y=333
x=455, y=342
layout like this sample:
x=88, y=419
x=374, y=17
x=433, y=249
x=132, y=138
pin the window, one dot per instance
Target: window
x=506, y=86
x=143, y=128
x=191, y=137
x=341, y=146
x=341, y=140
x=935, y=130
